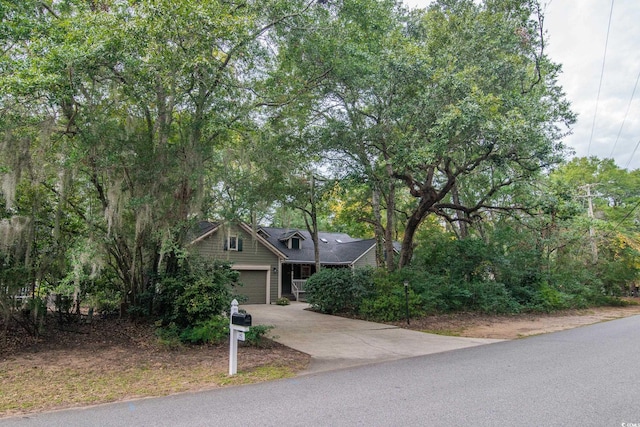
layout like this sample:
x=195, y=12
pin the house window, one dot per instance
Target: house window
x=305, y=271
x=234, y=243
x=295, y=243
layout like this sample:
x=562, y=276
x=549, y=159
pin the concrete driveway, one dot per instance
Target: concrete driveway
x=335, y=342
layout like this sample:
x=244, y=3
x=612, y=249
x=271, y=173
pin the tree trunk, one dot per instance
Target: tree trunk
x=391, y=207
x=314, y=233
x=312, y=227
x=463, y=228
x=414, y=221
x=378, y=228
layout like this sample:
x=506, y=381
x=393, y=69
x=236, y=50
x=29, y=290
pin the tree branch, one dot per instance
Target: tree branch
x=49, y=9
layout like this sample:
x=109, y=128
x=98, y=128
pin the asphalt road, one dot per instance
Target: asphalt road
x=588, y=376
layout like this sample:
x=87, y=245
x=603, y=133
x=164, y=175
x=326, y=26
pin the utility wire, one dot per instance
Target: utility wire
x=632, y=154
x=615, y=227
x=626, y=216
x=604, y=58
x=625, y=116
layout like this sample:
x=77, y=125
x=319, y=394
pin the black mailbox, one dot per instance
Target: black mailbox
x=241, y=319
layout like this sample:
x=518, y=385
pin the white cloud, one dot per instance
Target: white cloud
x=576, y=35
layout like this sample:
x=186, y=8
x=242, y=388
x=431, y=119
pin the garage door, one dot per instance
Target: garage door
x=254, y=286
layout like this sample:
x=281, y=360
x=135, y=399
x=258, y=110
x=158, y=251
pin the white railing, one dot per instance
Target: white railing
x=297, y=286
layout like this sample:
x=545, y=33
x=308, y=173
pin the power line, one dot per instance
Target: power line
x=625, y=116
x=632, y=154
x=626, y=216
x=604, y=58
x=615, y=227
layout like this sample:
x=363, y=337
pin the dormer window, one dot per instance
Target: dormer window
x=295, y=243
x=292, y=239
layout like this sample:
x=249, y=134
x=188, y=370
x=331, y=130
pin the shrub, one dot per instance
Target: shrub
x=466, y=259
x=454, y=297
x=492, y=298
x=212, y=331
x=191, y=303
x=256, y=335
x=104, y=294
x=391, y=306
x=283, y=301
x=33, y=318
x=196, y=294
x=551, y=299
x=338, y=290
x=388, y=302
x=168, y=335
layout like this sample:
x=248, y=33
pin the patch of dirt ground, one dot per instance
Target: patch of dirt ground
x=110, y=360
x=516, y=326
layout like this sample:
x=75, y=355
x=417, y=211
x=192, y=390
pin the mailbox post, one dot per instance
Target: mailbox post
x=239, y=323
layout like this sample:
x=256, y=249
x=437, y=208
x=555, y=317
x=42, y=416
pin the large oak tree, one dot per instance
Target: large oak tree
x=456, y=104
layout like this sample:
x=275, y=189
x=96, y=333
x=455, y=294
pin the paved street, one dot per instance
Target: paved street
x=587, y=376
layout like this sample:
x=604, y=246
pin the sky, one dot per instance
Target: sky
x=608, y=124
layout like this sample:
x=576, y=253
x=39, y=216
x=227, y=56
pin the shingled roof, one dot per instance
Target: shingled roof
x=335, y=248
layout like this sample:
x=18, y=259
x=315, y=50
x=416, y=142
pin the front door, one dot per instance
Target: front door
x=286, y=279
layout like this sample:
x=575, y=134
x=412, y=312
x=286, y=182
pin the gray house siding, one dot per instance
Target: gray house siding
x=255, y=262
x=368, y=259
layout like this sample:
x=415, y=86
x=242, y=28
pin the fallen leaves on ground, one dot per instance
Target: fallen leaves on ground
x=112, y=359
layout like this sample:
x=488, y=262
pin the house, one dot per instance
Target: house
x=275, y=262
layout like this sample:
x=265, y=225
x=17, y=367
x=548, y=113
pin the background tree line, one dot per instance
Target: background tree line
x=124, y=122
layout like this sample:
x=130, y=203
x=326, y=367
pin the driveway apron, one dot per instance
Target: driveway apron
x=336, y=342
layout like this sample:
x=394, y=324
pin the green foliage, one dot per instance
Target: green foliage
x=196, y=293
x=168, y=335
x=120, y=123
x=512, y=269
x=114, y=116
x=63, y=303
x=190, y=303
x=388, y=301
x=491, y=297
x=485, y=296
x=509, y=270
x=283, y=301
x=551, y=299
x=453, y=297
x=458, y=97
x=467, y=259
x=212, y=331
x=338, y=290
x=256, y=335
x=12, y=282
x=106, y=299
x=617, y=265
x=34, y=313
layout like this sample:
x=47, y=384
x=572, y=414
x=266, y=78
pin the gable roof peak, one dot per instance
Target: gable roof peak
x=289, y=234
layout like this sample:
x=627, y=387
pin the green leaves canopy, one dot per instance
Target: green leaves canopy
x=134, y=117
x=456, y=103
x=137, y=96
